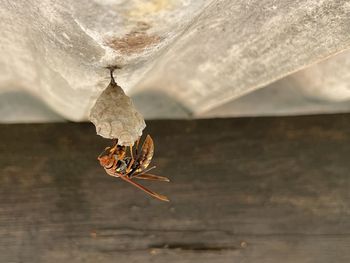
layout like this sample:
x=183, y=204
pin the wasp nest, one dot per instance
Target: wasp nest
x=115, y=116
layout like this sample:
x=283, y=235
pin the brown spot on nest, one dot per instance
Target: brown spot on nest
x=134, y=42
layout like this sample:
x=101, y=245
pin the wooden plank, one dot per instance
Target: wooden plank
x=242, y=190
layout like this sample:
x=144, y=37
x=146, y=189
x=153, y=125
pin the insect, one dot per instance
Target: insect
x=118, y=163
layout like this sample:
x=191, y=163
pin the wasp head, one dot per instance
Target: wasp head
x=106, y=157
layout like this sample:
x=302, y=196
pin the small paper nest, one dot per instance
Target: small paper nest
x=115, y=116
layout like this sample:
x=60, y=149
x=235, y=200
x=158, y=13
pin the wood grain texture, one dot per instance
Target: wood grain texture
x=242, y=190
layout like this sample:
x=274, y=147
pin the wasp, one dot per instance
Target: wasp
x=118, y=163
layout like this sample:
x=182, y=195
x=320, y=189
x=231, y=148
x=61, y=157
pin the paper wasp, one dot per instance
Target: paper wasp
x=118, y=163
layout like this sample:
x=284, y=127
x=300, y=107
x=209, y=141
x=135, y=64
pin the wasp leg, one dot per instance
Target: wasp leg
x=154, y=194
x=113, y=149
x=151, y=177
x=114, y=167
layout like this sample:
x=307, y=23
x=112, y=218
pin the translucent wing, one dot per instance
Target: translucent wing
x=146, y=154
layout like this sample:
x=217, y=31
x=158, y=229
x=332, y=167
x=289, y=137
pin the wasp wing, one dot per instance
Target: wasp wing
x=146, y=154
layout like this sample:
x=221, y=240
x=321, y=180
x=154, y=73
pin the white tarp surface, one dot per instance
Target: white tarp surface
x=179, y=58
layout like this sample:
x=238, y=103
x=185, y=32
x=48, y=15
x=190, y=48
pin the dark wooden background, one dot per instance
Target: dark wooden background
x=242, y=190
